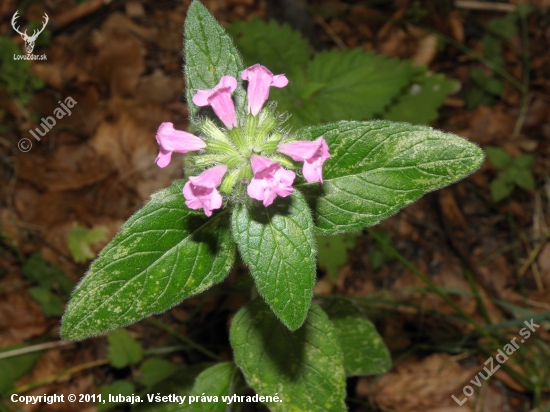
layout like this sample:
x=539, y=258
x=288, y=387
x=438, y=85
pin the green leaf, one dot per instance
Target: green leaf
x=524, y=161
x=278, y=245
x=498, y=157
x=419, y=103
x=15, y=367
x=50, y=304
x=209, y=55
x=378, y=167
x=156, y=370
x=524, y=178
x=79, y=241
x=476, y=97
x=503, y=27
x=178, y=384
x=214, y=381
x=304, y=368
x=492, y=49
x=164, y=253
x=279, y=48
x=333, y=251
x=364, y=350
x=490, y=84
x=47, y=275
x=500, y=189
x=358, y=85
x=121, y=387
x=123, y=350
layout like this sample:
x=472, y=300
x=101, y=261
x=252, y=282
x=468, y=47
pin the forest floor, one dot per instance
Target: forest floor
x=121, y=62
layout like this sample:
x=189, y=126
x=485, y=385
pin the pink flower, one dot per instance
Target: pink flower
x=200, y=192
x=313, y=154
x=220, y=99
x=270, y=180
x=260, y=79
x=172, y=140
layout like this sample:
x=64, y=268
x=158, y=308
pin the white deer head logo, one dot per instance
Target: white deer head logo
x=29, y=40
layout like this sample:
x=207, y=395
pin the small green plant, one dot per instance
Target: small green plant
x=514, y=172
x=487, y=87
x=51, y=287
x=15, y=75
x=79, y=241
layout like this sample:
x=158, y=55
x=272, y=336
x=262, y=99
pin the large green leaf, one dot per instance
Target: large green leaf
x=419, y=103
x=214, y=381
x=278, y=245
x=304, y=368
x=364, y=350
x=279, y=48
x=378, y=167
x=343, y=86
x=164, y=253
x=209, y=55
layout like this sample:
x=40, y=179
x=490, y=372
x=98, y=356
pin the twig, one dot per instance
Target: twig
x=484, y=5
x=35, y=348
x=55, y=377
x=79, y=12
x=335, y=38
x=533, y=255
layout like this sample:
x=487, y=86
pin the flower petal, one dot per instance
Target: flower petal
x=211, y=177
x=219, y=98
x=260, y=79
x=279, y=81
x=200, y=191
x=172, y=140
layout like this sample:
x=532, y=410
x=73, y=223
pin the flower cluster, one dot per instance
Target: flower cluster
x=249, y=151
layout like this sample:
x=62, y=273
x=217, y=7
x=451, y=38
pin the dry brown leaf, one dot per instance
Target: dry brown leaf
x=119, y=61
x=159, y=88
x=20, y=318
x=421, y=385
x=450, y=208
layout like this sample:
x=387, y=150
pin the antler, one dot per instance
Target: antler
x=13, y=19
x=37, y=32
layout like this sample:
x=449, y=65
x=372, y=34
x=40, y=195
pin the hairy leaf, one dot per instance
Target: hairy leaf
x=164, y=253
x=364, y=350
x=209, y=55
x=304, y=368
x=378, y=167
x=278, y=245
x=214, y=381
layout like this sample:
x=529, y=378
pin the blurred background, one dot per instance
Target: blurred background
x=112, y=72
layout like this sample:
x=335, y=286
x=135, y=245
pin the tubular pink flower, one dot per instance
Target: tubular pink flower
x=260, y=79
x=200, y=192
x=220, y=99
x=270, y=180
x=172, y=140
x=313, y=154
